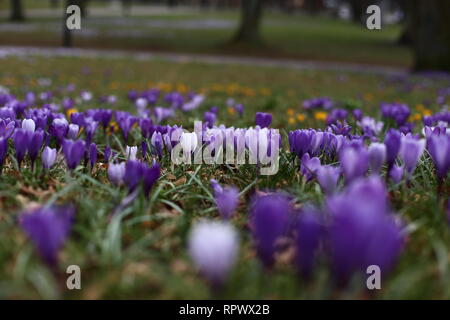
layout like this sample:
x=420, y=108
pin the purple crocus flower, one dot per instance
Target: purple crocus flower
x=309, y=234
x=316, y=103
x=227, y=199
x=213, y=247
x=263, y=119
x=59, y=129
x=162, y=114
x=151, y=175
x=377, y=156
x=116, y=172
x=3, y=151
x=48, y=229
x=21, y=139
x=92, y=154
x=239, y=109
x=134, y=171
x=72, y=132
x=396, y=173
x=73, y=152
x=396, y=111
x=448, y=210
x=144, y=149
x=103, y=116
x=126, y=122
x=26, y=140
x=34, y=144
x=439, y=148
x=107, y=153
x=354, y=160
x=357, y=114
x=48, y=157
x=410, y=151
x=362, y=230
x=392, y=141
x=137, y=172
x=209, y=118
x=91, y=128
x=328, y=177
x=157, y=143
x=6, y=128
x=309, y=166
x=147, y=127
x=28, y=124
x=269, y=220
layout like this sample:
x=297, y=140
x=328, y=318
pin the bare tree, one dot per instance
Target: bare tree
x=16, y=11
x=431, y=34
x=251, y=15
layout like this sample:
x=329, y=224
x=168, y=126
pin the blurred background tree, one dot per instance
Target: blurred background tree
x=251, y=15
x=429, y=28
x=16, y=11
x=426, y=25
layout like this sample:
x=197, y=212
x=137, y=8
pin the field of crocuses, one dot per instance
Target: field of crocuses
x=88, y=178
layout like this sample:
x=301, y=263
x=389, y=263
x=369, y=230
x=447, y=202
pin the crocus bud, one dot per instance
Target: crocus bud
x=48, y=157
x=73, y=152
x=362, y=211
x=131, y=152
x=213, y=246
x=393, y=143
x=328, y=177
x=209, y=118
x=28, y=125
x=410, y=151
x=21, y=140
x=3, y=150
x=92, y=154
x=396, y=173
x=48, y=229
x=309, y=166
x=354, y=161
x=116, y=172
x=227, y=199
x=263, y=119
x=439, y=148
x=377, y=156
x=157, y=143
x=309, y=234
x=269, y=221
x=188, y=142
x=107, y=153
x=73, y=131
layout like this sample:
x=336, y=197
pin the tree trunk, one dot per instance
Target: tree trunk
x=83, y=7
x=16, y=11
x=431, y=36
x=406, y=36
x=251, y=14
x=358, y=8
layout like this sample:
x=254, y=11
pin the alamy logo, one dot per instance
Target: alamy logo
x=373, y=22
x=74, y=280
x=261, y=146
x=374, y=280
x=73, y=21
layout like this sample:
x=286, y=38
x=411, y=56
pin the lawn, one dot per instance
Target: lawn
x=140, y=252
x=295, y=36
